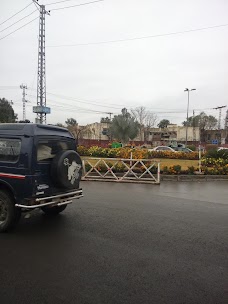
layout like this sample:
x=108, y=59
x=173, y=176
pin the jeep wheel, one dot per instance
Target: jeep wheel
x=9, y=214
x=53, y=210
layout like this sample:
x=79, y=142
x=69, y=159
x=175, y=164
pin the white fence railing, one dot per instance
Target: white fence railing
x=121, y=170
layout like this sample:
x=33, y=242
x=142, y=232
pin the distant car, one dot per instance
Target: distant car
x=221, y=148
x=186, y=150
x=162, y=148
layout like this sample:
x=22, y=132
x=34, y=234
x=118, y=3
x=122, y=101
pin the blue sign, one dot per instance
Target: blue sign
x=214, y=141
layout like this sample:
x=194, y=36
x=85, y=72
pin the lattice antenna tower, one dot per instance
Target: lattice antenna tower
x=41, y=110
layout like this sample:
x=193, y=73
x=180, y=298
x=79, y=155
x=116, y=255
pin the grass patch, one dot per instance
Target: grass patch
x=184, y=163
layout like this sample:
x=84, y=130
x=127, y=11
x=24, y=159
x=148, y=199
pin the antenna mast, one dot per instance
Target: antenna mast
x=41, y=110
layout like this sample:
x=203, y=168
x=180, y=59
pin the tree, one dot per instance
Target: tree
x=203, y=121
x=140, y=115
x=73, y=127
x=124, y=127
x=145, y=119
x=59, y=124
x=71, y=122
x=163, y=123
x=151, y=120
x=6, y=111
x=76, y=130
x=105, y=120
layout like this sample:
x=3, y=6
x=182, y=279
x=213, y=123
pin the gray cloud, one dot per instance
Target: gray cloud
x=151, y=72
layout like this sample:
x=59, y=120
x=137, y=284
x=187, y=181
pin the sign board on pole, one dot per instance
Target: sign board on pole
x=41, y=109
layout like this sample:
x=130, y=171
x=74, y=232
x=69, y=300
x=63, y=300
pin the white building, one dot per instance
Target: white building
x=96, y=130
x=174, y=133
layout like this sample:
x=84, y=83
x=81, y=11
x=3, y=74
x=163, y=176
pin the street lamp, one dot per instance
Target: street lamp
x=187, y=90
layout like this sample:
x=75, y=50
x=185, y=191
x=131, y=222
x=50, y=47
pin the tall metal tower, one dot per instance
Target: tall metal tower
x=41, y=108
x=220, y=115
x=23, y=87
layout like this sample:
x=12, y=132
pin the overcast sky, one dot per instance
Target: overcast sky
x=151, y=72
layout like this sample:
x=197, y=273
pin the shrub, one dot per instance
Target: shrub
x=87, y=167
x=217, y=154
x=210, y=147
x=82, y=150
x=192, y=147
x=119, y=168
x=214, y=162
x=191, y=170
x=173, y=155
x=215, y=170
x=176, y=169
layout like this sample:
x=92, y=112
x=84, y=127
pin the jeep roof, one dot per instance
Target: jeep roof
x=30, y=129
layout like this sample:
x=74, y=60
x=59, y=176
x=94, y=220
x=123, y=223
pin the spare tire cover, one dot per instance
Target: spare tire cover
x=66, y=169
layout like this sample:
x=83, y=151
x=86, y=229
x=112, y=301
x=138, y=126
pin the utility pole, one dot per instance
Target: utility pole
x=194, y=126
x=226, y=120
x=226, y=126
x=187, y=122
x=41, y=110
x=23, y=87
x=110, y=115
x=220, y=115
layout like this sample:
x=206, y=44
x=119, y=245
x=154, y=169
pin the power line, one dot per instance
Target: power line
x=142, y=37
x=56, y=9
x=19, y=28
x=16, y=13
x=80, y=101
x=5, y=87
x=80, y=108
x=57, y=2
x=17, y=21
x=71, y=107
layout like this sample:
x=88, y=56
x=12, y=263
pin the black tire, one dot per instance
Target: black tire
x=66, y=170
x=9, y=214
x=53, y=210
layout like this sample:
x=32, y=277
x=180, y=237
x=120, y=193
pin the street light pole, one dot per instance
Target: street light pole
x=187, y=122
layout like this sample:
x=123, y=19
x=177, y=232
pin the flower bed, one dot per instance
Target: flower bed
x=96, y=151
x=210, y=165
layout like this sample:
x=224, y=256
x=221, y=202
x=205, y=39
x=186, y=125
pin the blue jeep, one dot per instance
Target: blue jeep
x=39, y=168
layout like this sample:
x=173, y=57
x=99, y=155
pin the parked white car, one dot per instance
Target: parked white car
x=221, y=148
x=162, y=148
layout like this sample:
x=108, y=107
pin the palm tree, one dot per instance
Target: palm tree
x=124, y=127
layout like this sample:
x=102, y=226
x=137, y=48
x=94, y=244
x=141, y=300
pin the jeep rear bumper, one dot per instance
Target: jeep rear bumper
x=56, y=200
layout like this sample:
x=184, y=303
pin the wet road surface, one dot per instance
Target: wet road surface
x=122, y=243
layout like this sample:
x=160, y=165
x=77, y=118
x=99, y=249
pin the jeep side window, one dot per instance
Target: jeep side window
x=9, y=149
x=46, y=150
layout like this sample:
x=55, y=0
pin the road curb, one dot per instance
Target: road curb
x=168, y=178
x=193, y=178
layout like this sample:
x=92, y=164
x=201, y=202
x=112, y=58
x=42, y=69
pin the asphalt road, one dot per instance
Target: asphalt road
x=122, y=243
